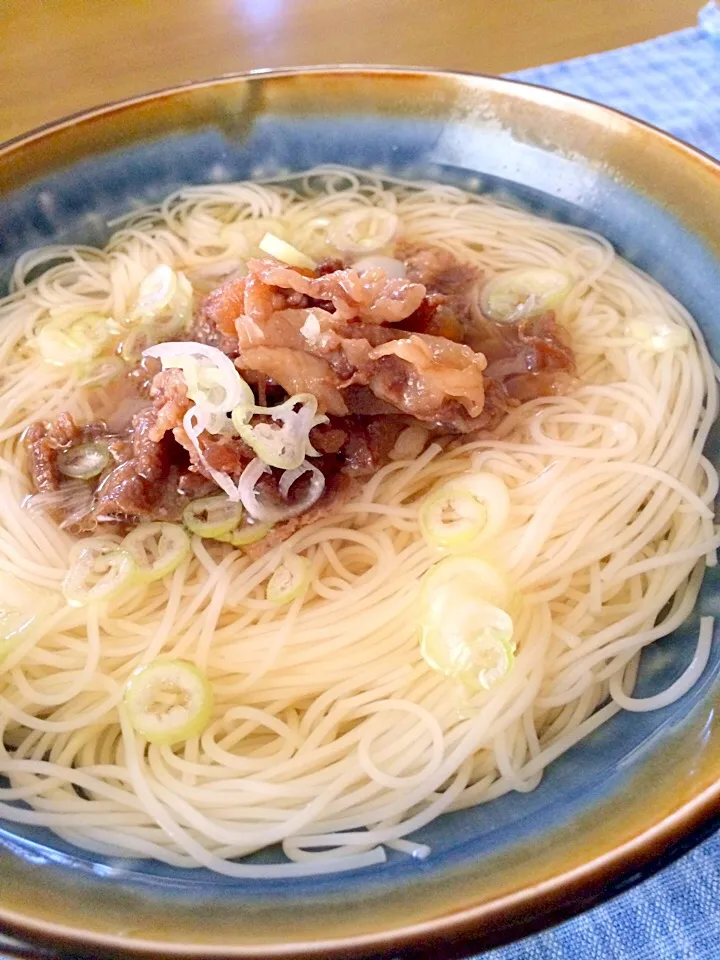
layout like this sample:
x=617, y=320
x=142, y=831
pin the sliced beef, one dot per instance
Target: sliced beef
x=535, y=345
x=141, y=377
x=228, y=455
x=42, y=454
x=297, y=372
x=194, y=485
x=45, y=441
x=369, y=443
x=530, y=386
x=206, y=326
x=303, y=351
x=529, y=358
x=451, y=290
x=64, y=432
x=170, y=404
x=217, y=313
x=284, y=328
x=125, y=494
x=126, y=497
x=429, y=378
x=438, y=270
x=142, y=486
x=330, y=265
x=434, y=369
x=215, y=322
x=151, y=456
x=371, y=295
x=361, y=401
x=385, y=358
x=414, y=374
x=327, y=438
x=141, y=482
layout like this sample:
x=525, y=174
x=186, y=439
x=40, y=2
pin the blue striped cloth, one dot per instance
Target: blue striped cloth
x=674, y=83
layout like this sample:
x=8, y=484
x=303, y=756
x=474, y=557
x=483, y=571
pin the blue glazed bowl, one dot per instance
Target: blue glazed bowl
x=628, y=798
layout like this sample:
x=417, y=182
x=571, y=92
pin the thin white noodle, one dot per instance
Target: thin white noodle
x=330, y=735
x=677, y=689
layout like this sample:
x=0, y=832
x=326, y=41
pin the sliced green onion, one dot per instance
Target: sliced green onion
x=522, y=293
x=156, y=292
x=249, y=531
x=285, y=446
x=363, y=230
x=289, y=580
x=84, y=461
x=99, y=570
x=64, y=343
x=285, y=252
x=157, y=548
x=211, y=388
x=465, y=510
x=212, y=517
x=658, y=336
x=474, y=645
x=489, y=491
x=451, y=519
x=177, y=320
x=168, y=701
x=464, y=576
x=165, y=301
x=211, y=378
x=466, y=632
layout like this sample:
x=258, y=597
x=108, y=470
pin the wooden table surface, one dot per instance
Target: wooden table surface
x=60, y=56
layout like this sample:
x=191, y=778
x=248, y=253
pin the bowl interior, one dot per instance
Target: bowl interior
x=629, y=773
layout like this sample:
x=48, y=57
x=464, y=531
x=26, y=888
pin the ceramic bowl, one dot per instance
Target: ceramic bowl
x=628, y=798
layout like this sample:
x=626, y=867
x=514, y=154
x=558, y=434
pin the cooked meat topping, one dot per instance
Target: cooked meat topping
x=451, y=288
x=371, y=295
x=297, y=372
x=389, y=361
x=170, y=405
x=435, y=370
x=44, y=443
x=42, y=454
